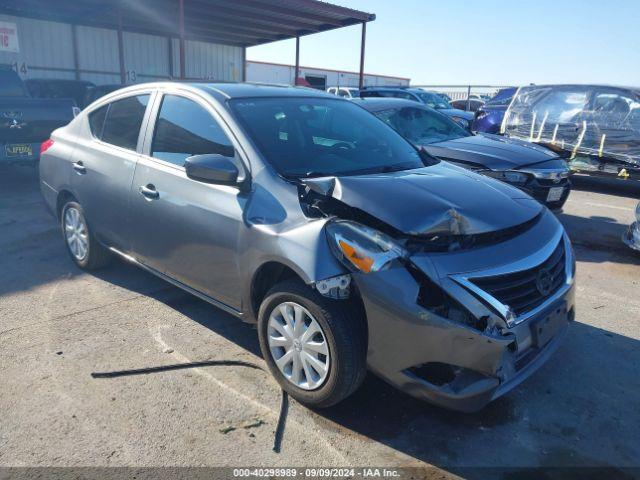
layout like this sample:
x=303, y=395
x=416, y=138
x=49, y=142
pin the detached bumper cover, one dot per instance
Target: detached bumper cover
x=406, y=339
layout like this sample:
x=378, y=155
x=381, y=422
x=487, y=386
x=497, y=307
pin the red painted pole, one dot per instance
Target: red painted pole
x=362, y=47
x=297, y=70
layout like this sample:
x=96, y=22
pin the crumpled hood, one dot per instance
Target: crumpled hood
x=441, y=199
x=491, y=151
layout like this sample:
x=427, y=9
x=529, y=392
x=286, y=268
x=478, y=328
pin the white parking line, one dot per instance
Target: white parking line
x=339, y=458
x=615, y=207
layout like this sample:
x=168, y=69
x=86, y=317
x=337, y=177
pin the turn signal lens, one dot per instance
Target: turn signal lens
x=46, y=145
x=362, y=248
x=363, y=262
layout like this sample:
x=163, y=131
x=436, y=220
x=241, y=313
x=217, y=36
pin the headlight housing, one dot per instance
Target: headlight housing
x=360, y=248
x=509, y=176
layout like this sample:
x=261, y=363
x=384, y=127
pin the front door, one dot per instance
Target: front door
x=183, y=228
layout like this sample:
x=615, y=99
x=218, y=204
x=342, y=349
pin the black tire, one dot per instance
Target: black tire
x=97, y=255
x=344, y=328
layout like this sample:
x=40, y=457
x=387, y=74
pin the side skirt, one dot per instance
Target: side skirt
x=186, y=288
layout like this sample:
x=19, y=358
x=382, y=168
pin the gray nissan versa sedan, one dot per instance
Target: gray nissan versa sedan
x=301, y=212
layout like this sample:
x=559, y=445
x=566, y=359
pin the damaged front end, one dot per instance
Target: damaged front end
x=447, y=307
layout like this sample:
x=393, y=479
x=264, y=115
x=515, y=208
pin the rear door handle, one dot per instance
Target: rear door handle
x=149, y=191
x=79, y=167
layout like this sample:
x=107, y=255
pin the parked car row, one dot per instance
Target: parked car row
x=342, y=234
x=531, y=168
x=25, y=122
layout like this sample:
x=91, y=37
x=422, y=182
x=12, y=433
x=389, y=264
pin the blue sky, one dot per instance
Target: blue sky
x=498, y=42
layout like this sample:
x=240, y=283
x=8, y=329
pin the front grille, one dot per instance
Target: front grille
x=520, y=290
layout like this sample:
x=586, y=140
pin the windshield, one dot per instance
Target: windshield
x=432, y=100
x=307, y=137
x=422, y=126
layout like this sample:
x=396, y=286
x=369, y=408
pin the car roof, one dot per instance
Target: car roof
x=375, y=104
x=248, y=90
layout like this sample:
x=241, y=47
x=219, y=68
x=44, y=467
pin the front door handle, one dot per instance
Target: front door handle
x=79, y=167
x=149, y=191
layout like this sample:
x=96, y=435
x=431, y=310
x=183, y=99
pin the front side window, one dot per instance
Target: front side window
x=185, y=128
x=123, y=121
x=422, y=126
x=307, y=137
x=562, y=106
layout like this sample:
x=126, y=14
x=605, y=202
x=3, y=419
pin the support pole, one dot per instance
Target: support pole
x=469, y=98
x=362, y=48
x=244, y=64
x=296, y=72
x=123, y=73
x=182, y=48
x=170, y=56
x=76, y=61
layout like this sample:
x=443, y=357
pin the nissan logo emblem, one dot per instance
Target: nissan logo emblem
x=544, y=282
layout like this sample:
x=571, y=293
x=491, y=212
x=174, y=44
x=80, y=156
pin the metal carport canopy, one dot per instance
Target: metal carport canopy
x=242, y=23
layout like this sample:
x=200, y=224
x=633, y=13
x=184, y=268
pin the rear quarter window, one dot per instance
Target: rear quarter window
x=123, y=121
x=96, y=121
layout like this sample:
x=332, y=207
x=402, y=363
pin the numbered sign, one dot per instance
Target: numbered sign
x=9, y=37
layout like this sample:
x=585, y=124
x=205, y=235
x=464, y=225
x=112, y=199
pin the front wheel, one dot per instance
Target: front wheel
x=314, y=347
x=82, y=246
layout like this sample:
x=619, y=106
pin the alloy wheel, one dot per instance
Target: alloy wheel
x=76, y=234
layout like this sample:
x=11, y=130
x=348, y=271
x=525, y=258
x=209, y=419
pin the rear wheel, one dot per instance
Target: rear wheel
x=82, y=246
x=313, y=346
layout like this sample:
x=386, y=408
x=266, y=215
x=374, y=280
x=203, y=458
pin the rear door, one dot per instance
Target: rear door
x=104, y=164
x=183, y=228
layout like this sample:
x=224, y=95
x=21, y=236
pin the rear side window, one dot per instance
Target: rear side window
x=123, y=122
x=96, y=121
x=185, y=128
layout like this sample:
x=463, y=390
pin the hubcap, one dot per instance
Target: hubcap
x=298, y=346
x=75, y=230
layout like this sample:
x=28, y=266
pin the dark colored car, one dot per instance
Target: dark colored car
x=532, y=168
x=488, y=117
x=26, y=122
x=59, y=88
x=468, y=105
x=431, y=99
x=302, y=212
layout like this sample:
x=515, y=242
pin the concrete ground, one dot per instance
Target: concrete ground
x=58, y=324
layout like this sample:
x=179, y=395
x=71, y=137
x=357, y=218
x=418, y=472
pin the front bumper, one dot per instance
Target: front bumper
x=539, y=189
x=446, y=362
x=632, y=236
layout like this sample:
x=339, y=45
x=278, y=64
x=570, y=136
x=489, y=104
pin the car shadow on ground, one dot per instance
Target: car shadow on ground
x=607, y=185
x=598, y=239
x=579, y=410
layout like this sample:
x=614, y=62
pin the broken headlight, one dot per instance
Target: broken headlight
x=362, y=248
x=508, y=176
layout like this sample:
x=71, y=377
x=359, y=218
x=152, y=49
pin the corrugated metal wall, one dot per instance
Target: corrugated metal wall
x=46, y=51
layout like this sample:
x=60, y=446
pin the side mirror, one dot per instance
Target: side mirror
x=212, y=168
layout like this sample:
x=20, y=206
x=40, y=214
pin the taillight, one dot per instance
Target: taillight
x=46, y=145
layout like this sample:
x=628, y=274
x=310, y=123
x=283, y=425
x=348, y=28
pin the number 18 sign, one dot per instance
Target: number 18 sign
x=9, y=37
